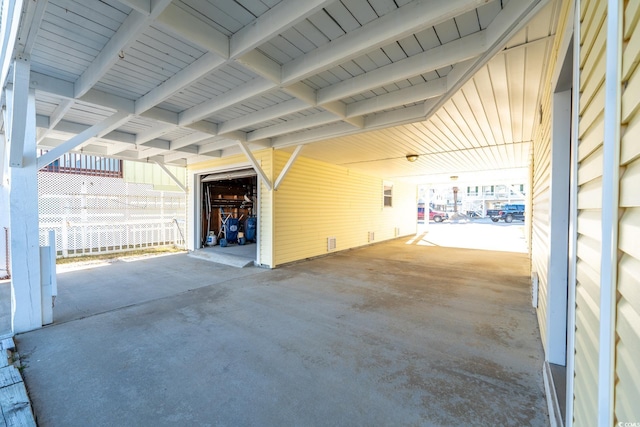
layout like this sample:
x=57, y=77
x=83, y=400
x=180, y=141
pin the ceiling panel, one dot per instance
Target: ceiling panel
x=342, y=77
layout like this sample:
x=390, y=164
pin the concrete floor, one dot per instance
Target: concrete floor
x=390, y=334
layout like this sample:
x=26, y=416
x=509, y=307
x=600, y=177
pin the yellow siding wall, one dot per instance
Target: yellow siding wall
x=317, y=200
x=590, y=168
x=627, y=382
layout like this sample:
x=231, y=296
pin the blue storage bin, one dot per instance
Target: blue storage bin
x=250, y=229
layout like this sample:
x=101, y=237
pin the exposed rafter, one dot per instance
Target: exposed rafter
x=135, y=24
x=195, y=82
x=98, y=130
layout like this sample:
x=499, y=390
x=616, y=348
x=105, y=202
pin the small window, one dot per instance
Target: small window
x=388, y=195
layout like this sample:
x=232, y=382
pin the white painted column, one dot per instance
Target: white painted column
x=559, y=230
x=26, y=301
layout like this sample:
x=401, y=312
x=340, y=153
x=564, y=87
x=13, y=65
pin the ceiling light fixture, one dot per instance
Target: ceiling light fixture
x=412, y=157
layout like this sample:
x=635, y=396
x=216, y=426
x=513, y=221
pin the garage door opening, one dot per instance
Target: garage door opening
x=228, y=217
x=482, y=210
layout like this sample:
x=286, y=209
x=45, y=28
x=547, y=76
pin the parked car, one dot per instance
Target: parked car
x=437, y=216
x=508, y=213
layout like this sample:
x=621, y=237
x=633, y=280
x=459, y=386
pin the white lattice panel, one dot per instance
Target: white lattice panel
x=92, y=214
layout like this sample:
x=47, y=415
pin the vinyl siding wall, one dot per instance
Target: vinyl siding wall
x=627, y=381
x=540, y=184
x=589, y=226
x=317, y=200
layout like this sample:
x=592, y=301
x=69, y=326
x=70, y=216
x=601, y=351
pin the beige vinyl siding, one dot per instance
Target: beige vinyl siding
x=540, y=213
x=540, y=185
x=317, y=200
x=589, y=226
x=627, y=381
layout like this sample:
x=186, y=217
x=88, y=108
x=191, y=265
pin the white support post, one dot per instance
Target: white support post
x=286, y=168
x=26, y=299
x=48, y=278
x=247, y=152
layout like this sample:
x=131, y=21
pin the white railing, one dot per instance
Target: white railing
x=92, y=238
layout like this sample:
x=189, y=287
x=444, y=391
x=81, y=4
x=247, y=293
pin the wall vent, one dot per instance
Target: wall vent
x=534, y=289
x=331, y=244
x=372, y=236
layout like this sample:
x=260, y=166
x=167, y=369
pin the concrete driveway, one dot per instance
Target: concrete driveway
x=390, y=334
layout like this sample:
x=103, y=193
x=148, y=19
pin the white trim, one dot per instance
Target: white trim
x=557, y=264
x=573, y=221
x=195, y=202
x=286, y=168
x=254, y=162
x=610, y=192
x=553, y=406
x=172, y=176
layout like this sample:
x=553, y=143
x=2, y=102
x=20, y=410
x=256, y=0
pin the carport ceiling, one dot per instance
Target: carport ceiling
x=359, y=82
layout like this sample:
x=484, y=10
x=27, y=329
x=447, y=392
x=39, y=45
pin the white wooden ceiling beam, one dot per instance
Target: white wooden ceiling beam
x=279, y=110
x=142, y=6
x=302, y=91
x=287, y=167
x=430, y=60
x=400, y=97
x=256, y=165
x=63, y=89
x=57, y=116
x=187, y=140
x=116, y=150
x=156, y=131
x=311, y=121
x=72, y=128
x=339, y=108
x=216, y=145
x=9, y=26
x=284, y=15
x=262, y=65
x=148, y=153
x=250, y=89
x=393, y=26
x=395, y=117
x=182, y=23
x=172, y=156
x=32, y=22
x=326, y=132
x=198, y=159
x=509, y=21
x=132, y=27
x=101, y=128
x=194, y=71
